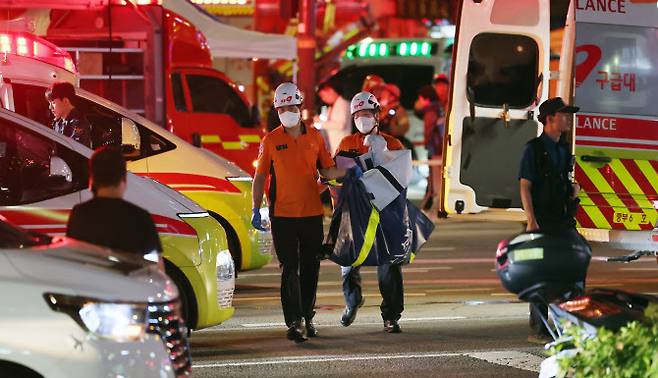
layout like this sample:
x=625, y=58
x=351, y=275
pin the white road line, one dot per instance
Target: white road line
x=303, y=360
x=428, y=318
x=374, y=271
x=262, y=325
x=511, y=358
x=319, y=295
x=335, y=324
x=403, y=320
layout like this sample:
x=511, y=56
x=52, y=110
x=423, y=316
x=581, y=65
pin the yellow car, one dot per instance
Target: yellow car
x=223, y=189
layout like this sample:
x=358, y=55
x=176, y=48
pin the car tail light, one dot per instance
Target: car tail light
x=589, y=307
x=31, y=46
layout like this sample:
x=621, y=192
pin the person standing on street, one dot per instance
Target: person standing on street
x=548, y=196
x=393, y=118
x=337, y=124
x=108, y=220
x=429, y=109
x=292, y=154
x=69, y=121
x=441, y=85
x=366, y=109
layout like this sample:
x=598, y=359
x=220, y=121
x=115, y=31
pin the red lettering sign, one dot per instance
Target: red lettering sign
x=607, y=6
x=622, y=130
x=617, y=80
x=585, y=68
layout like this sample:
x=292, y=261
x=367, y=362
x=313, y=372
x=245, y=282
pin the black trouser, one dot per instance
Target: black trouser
x=390, y=287
x=539, y=309
x=297, y=242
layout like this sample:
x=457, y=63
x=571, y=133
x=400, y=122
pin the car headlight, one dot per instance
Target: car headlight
x=225, y=267
x=121, y=322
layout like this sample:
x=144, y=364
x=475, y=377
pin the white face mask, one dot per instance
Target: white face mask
x=289, y=119
x=365, y=124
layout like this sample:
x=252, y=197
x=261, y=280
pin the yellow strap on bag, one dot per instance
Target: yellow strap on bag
x=368, y=238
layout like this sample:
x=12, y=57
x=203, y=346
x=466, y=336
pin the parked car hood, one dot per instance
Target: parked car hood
x=67, y=266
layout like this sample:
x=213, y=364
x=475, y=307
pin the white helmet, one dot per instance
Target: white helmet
x=364, y=100
x=287, y=94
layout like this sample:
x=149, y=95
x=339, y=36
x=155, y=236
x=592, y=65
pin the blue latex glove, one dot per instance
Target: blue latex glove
x=356, y=171
x=256, y=221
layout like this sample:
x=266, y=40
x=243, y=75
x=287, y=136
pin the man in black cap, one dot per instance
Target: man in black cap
x=69, y=121
x=548, y=195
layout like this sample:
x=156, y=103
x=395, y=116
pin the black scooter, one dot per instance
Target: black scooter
x=550, y=270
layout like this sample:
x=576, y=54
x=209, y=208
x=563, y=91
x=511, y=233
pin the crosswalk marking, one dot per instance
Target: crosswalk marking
x=512, y=358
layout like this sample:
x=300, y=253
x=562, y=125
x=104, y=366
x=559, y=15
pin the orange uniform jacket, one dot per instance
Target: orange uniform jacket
x=293, y=165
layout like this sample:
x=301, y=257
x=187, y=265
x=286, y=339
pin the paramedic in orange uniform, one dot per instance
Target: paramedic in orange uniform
x=293, y=154
x=365, y=110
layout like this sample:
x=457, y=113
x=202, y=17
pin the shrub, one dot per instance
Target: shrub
x=630, y=352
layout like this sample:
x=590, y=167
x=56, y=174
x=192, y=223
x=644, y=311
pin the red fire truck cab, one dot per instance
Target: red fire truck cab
x=156, y=63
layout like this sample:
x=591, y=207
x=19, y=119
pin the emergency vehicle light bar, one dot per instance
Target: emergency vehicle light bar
x=386, y=49
x=31, y=46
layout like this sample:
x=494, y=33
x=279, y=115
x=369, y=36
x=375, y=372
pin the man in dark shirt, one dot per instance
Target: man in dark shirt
x=69, y=121
x=547, y=193
x=107, y=219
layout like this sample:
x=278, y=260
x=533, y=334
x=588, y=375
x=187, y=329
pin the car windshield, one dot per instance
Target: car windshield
x=14, y=237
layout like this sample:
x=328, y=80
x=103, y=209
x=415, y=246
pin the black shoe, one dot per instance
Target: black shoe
x=296, y=333
x=311, y=331
x=350, y=314
x=392, y=326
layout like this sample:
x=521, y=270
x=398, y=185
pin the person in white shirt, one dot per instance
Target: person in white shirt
x=338, y=122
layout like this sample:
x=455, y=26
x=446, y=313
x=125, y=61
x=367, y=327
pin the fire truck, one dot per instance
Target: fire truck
x=156, y=63
x=608, y=67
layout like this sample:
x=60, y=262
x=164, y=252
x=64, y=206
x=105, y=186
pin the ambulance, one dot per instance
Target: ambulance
x=216, y=184
x=608, y=67
x=156, y=63
x=44, y=174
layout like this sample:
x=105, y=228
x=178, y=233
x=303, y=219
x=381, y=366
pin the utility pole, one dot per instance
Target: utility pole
x=306, y=54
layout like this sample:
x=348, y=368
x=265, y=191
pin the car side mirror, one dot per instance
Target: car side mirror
x=131, y=141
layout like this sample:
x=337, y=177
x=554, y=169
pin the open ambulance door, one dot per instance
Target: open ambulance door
x=616, y=133
x=500, y=76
